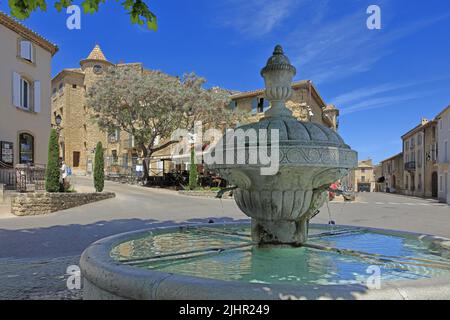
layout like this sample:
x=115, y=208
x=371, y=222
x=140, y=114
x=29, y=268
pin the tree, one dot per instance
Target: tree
x=208, y=106
x=137, y=9
x=193, y=174
x=151, y=105
x=52, y=173
x=146, y=105
x=99, y=171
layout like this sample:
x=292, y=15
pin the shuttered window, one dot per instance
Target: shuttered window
x=26, y=94
x=26, y=50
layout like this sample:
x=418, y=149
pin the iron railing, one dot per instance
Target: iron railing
x=30, y=177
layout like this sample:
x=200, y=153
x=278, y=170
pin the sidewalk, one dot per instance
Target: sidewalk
x=5, y=210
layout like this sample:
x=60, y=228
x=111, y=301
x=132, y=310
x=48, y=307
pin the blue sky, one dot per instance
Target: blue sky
x=383, y=81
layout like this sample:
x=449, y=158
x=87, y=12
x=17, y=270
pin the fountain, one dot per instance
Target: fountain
x=279, y=255
x=311, y=158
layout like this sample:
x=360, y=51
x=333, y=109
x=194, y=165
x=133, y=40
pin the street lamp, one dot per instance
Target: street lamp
x=58, y=121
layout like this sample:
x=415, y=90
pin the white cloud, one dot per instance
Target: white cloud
x=337, y=48
x=256, y=18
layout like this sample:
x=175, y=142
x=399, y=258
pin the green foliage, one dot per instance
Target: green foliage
x=193, y=174
x=99, y=172
x=137, y=9
x=52, y=173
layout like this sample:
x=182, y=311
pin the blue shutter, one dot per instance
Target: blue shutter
x=254, y=105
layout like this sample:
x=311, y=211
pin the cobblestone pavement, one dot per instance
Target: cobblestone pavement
x=23, y=279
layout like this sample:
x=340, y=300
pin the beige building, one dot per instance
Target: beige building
x=25, y=77
x=305, y=103
x=443, y=157
x=391, y=176
x=420, y=160
x=362, y=179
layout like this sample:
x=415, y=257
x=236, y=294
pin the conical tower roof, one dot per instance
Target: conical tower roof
x=96, y=54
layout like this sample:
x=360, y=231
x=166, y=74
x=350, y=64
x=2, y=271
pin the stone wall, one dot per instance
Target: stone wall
x=31, y=204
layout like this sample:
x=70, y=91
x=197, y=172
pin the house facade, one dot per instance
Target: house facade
x=25, y=75
x=362, y=178
x=391, y=176
x=305, y=103
x=443, y=124
x=420, y=150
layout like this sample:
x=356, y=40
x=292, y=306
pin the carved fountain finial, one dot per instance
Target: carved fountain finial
x=278, y=74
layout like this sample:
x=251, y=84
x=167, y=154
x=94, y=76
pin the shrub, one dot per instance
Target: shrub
x=193, y=174
x=52, y=173
x=99, y=172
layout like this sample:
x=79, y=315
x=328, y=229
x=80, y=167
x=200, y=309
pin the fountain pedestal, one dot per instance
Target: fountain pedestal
x=310, y=158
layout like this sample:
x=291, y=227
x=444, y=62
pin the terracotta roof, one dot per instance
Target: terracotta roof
x=96, y=54
x=27, y=33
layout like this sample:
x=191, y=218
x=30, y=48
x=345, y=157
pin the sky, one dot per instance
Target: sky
x=383, y=81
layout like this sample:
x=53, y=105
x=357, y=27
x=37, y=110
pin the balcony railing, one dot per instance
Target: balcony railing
x=410, y=166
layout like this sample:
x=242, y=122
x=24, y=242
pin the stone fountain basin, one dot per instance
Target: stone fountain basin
x=107, y=279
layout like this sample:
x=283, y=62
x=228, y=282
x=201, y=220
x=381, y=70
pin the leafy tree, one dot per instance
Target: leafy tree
x=52, y=173
x=150, y=106
x=137, y=9
x=193, y=174
x=99, y=171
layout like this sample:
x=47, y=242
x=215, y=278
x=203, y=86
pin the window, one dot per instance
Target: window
x=363, y=170
x=406, y=145
x=26, y=148
x=54, y=92
x=363, y=179
x=445, y=151
x=419, y=158
x=61, y=87
x=76, y=159
x=441, y=184
x=26, y=93
x=419, y=186
x=115, y=157
x=419, y=139
x=114, y=136
x=74, y=86
x=254, y=105
x=26, y=50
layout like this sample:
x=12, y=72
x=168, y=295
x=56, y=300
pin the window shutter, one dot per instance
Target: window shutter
x=254, y=105
x=266, y=105
x=25, y=50
x=37, y=96
x=31, y=52
x=16, y=89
